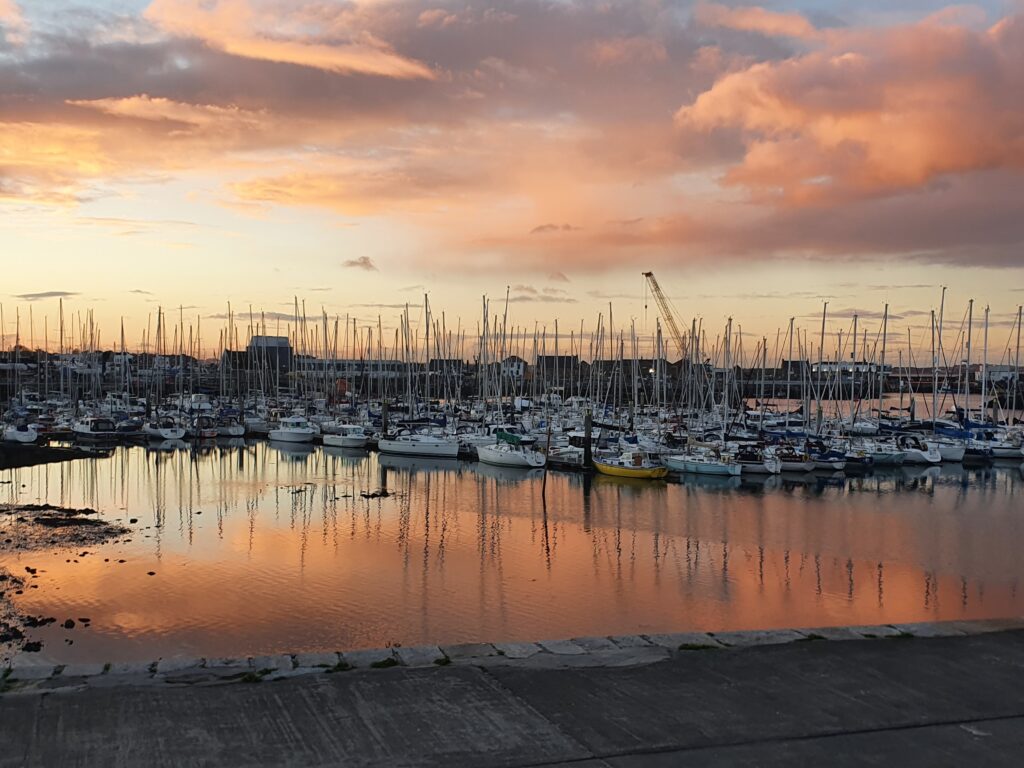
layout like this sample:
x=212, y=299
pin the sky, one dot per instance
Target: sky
x=357, y=154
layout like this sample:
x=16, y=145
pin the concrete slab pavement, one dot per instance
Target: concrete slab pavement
x=949, y=700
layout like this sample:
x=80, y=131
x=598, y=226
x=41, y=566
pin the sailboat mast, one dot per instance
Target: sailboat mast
x=881, y=362
x=1016, y=374
x=426, y=343
x=967, y=362
x=984, y=369
x=821, y=359
x=935, y=377
x=853, y=369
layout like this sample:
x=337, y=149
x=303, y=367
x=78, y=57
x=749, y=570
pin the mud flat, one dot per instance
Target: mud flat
x=28, y=528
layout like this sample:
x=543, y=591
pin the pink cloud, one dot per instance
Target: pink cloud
x=871, y=112
x=754, y=19
x=619, y=50
x=12, y=24
x=254, y=30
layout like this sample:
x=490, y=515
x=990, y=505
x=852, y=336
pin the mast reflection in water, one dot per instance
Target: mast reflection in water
x=261, y=549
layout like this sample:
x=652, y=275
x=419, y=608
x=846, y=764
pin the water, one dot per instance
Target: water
x=259, y=549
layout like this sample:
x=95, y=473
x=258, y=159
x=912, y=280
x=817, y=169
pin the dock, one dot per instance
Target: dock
x=908, y=695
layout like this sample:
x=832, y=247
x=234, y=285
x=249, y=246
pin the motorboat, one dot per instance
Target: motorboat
x=94, y=428
x=293, y=429
x=346, y=436
x=408, y=443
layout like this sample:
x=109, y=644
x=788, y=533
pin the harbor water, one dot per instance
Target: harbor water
x=256, y=548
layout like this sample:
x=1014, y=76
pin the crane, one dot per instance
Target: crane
x=666, y=312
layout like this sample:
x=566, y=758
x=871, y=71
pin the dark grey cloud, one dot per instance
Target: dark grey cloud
x=544, y=229
x=284, y=317
x=363, y=262
x=388, y=306
x=45, y=295
x=542, y=298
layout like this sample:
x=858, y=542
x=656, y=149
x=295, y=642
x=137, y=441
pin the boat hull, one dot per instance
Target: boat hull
x=920, y=458
x=164, y=433
x=837, y=465
x=344, y=441
x=443, y=450
x=797, y=466
x=14, y=435
x=291, y=436
x=716, y=468
x=951, y=451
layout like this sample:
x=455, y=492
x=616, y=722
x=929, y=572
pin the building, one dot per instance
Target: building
x=271, y=351
x=513, y=369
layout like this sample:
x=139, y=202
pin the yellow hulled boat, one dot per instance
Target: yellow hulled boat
x=634, y=464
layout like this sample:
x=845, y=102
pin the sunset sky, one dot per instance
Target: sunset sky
x=358, y=154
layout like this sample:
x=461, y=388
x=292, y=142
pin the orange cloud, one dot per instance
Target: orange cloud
x=50, y=163
x=260, y=32
x=618, y=50
x=436, y=17
x=354, y=190
x=144, y=107
x=872, y=112
x=754, y=19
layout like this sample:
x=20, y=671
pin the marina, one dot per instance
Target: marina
x=323, y=490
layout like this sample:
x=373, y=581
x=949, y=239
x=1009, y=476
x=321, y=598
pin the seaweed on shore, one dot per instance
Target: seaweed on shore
x=30, y=527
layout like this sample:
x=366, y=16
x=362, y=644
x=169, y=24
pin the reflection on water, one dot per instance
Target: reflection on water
x=260, y=548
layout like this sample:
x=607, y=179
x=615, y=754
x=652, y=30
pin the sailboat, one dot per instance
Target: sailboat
x=407, y=443
x=635, y=464
x=164, y=428
x=346, y=436
x=703, y=461
x=21, y=433
x=509, y=451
